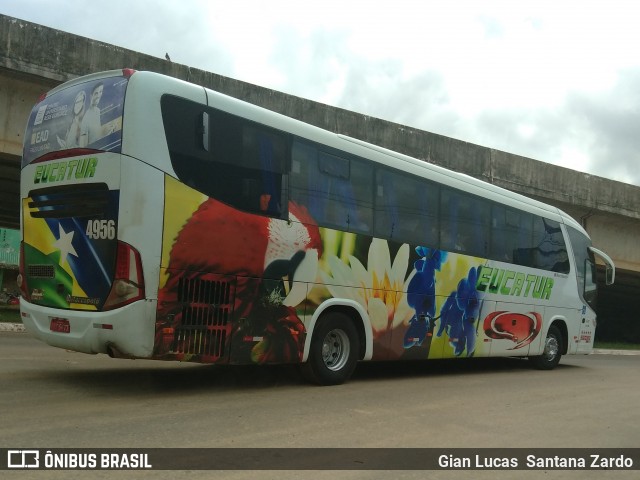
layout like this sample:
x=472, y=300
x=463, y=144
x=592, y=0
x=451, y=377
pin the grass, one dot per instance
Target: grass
x=10, y=314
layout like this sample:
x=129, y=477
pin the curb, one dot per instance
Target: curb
x=19, y=328
x=12, y=327
x=602, y=351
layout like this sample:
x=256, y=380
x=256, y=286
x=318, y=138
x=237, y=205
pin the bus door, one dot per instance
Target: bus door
x=587, y=330
x=588, y=286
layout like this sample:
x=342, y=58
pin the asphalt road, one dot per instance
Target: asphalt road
x=51, y=398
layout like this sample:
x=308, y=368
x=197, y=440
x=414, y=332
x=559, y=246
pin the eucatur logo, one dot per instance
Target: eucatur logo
x=520, y=328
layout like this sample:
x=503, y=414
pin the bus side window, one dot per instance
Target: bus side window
x=585, y=266
x=332, y=177
x=265, y=155
x=360, y=197
x=182, y=120
x=511, y=235
x=304, y=160
x=521, y=237
x=539, y=242
x=228, y=158
x=406, y=208
x=335, y=190
x=550, y=248
x=465, y=221
x=590, y=285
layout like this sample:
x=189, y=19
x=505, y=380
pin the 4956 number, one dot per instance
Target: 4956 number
x=101, y=229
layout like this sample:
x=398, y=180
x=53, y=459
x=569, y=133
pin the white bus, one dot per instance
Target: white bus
x=163, y=220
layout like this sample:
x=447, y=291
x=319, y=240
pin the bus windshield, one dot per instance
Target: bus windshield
x=85, y=115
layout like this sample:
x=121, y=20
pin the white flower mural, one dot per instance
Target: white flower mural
x=380, y=287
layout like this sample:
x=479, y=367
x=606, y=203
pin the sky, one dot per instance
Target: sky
x=557, y=81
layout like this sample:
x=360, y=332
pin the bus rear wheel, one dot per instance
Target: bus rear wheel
x=552, y=350
x=333, y=353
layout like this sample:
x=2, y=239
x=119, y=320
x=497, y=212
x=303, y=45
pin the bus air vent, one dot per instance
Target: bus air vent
x=40, y=271
x=206, y=312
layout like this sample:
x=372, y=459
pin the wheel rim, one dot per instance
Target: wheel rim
x=335, y=349
x=551, y=348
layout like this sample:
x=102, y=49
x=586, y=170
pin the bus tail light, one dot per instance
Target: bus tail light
x=128, y=282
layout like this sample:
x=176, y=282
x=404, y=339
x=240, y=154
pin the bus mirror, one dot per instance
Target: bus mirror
x=205, y=131
x=610, y=274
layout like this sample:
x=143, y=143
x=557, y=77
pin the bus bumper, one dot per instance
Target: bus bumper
x=128, y=330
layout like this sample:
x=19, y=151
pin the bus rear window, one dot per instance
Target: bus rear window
x=84, y=115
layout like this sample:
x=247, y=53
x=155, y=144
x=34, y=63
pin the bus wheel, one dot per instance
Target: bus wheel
x=552, y=350
x=333, y=352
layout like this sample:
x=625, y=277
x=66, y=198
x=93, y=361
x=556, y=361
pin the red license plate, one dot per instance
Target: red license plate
x=60, y=325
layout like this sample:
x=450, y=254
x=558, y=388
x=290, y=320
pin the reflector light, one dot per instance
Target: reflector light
x=103, y=326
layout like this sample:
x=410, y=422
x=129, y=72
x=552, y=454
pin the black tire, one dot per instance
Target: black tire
x=333, y=353
x=552, y=350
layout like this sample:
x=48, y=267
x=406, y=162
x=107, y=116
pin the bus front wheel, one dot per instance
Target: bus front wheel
x=552, y=350
x=333, y=352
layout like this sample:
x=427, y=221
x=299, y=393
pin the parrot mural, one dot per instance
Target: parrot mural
x=269, y=262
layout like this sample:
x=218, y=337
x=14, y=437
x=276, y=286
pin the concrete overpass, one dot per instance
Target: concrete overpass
x=609, y=210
